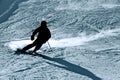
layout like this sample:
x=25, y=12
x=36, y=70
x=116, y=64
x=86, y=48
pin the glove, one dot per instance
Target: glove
x=32, y=38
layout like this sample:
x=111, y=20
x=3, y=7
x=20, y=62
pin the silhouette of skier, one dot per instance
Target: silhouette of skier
x=44, y=35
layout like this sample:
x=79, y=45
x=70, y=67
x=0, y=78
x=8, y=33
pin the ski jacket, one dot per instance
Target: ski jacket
x=43, y=33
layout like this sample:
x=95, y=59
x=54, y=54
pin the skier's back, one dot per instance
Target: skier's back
x=43, y=36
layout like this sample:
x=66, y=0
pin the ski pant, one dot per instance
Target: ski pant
x=37, y=43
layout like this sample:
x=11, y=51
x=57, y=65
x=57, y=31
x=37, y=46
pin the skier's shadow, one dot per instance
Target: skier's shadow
x=66, y=65
x=71, y=67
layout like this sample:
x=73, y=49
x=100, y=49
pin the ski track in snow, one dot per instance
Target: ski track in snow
x=66, y=42
x=109, y=5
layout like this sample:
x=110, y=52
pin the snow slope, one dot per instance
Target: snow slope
x=7, y=8
x=85, y=40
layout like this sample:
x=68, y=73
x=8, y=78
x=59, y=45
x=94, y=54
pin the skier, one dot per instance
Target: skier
x=44, y=35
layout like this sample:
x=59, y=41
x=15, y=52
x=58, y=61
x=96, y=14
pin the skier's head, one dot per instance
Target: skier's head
x=43, y=24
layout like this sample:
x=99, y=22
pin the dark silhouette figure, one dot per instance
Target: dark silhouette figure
x=43, y=36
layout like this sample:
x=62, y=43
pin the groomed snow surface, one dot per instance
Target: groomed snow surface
x=85, y=43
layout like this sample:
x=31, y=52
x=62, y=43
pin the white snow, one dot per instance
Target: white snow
x=85, y=40
x=109, y=5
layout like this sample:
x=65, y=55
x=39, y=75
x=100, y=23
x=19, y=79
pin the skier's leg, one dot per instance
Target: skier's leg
x=29, y=46
x=37, y=47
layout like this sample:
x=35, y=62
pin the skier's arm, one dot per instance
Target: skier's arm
x=34, y=33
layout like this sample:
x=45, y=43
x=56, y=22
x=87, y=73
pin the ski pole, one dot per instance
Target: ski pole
x=49, y=45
